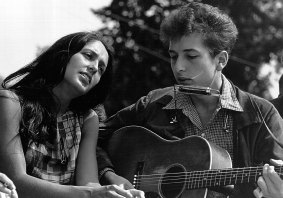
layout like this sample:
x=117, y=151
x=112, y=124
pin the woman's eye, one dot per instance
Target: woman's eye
x=191, y=56
x=101, y=68
x=88, y=55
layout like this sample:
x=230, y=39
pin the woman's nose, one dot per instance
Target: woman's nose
x=93, y=68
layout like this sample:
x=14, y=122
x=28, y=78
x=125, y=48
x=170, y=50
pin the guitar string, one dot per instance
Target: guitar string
x=204, y=174
x=200, y=178
x=214, y=171
x=176, y=184
x=189, y=185
x=197, y=182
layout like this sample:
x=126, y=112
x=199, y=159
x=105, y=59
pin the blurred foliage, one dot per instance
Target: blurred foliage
x=141, y=61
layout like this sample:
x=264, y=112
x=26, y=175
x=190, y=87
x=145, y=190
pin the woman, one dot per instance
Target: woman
x=48, y=130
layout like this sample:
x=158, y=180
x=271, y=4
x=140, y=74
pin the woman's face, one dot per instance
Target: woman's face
x=84, y=69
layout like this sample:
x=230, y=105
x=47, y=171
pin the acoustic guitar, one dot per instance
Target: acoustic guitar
x=171, y=169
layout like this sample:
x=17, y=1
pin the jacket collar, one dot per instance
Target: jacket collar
x=250, y=114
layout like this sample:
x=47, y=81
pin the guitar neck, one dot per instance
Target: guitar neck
x=223, y=177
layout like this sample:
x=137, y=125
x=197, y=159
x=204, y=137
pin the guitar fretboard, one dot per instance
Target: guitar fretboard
x=223, y=177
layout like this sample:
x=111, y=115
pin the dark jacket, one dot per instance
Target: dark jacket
x=278, y=103
x=253, y=145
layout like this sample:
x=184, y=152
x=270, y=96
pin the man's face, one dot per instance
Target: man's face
x=191, y=61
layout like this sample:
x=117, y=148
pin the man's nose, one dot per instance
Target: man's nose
x=180, y=65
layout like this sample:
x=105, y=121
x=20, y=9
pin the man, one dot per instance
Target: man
x=205, y=103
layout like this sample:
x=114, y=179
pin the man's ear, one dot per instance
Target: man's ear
x=221, y=60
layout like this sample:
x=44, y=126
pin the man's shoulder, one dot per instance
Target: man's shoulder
x=161, y=92
x=244, y=96
x=160, y=95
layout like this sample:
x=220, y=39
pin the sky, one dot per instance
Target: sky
x=29, y=24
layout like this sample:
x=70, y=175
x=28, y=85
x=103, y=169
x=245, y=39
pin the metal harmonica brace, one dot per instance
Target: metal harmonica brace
x=197, y=90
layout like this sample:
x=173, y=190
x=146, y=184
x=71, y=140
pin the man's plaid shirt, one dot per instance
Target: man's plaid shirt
x=220, y=127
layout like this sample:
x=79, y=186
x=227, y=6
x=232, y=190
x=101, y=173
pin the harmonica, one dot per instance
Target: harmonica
x=198, y=90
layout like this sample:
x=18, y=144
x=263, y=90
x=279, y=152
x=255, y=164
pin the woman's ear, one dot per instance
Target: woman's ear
x=222, y=59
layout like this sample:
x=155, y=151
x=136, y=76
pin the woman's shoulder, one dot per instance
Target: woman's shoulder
x=5, y=93
x=90, y=114
x=9, y=104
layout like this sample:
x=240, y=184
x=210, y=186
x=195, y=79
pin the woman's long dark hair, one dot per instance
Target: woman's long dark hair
x=34, y=83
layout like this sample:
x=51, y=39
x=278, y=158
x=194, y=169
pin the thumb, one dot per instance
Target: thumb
x=257, y=193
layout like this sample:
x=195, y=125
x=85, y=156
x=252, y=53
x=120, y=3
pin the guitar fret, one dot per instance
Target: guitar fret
x=249, y=174
x=211, y=178
x=217, y=178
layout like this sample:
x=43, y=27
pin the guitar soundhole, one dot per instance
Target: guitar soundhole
x=173, y=181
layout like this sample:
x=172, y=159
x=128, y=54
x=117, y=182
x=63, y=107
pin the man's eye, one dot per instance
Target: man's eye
x=173, y=57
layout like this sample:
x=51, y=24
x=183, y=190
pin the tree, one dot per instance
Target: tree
x=142, y=61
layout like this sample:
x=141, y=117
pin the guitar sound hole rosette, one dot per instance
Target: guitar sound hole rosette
x=173, y=181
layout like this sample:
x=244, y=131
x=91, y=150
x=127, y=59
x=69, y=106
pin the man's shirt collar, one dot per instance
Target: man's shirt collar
x=227, y=99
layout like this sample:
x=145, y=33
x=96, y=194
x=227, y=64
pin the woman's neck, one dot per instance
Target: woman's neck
x=63, y=100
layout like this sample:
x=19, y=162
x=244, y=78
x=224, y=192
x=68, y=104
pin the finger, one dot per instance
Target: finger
x=120, y=191
x=276, y=162
x=126, y=186
x=262, y=186
x=6, y=181
x=14, y=194
x=273, y=176
x=257, y=193
x=4, y=189
x=113, y=194
x=137, y=193
x=265, y=174
x=122, y=186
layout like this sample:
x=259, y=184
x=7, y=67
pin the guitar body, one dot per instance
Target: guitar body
x=137, y=151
